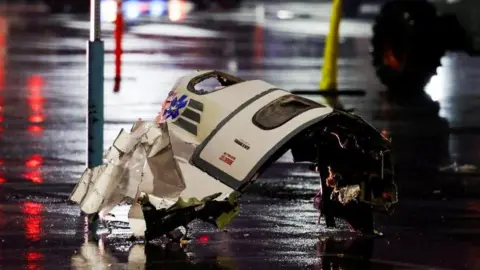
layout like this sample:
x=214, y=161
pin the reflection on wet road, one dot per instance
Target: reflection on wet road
x=42, y=137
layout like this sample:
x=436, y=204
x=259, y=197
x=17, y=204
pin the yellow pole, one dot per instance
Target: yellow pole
x=330, y=54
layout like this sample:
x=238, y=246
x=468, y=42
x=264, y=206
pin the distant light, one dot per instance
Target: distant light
x=132, y=10
x=285, y=14
x=2, y=180
x=440, y=85
x=157, y=8
x=436, y=87
x=176, y=10
x=144, y=7
x=108, y=10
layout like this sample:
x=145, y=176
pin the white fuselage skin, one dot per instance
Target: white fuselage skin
x=203, y=129
x=217, y=106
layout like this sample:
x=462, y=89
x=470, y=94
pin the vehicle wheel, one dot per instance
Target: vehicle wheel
x=351, y=8
x=406, y=45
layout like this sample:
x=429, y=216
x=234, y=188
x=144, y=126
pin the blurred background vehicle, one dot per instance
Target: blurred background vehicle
x=132, y=8
x=411, y=36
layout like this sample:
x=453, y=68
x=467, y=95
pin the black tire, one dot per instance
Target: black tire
x=406, y=51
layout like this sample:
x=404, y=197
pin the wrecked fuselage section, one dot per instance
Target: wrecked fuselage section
x=356, y=170
x=207, y=147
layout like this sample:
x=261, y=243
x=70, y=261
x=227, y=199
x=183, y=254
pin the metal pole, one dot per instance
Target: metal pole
x=95, y=69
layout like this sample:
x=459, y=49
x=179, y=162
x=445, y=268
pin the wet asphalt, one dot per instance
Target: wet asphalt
x=42, y=144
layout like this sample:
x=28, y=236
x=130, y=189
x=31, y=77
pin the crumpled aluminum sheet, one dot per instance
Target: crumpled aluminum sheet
x=346, y=194
x=140, y=161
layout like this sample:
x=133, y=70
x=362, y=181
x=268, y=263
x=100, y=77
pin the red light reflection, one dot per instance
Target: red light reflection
x=34, y=256
x=203, y=239
x=33, y=259
x=32, y=208
x=34, y=161
x=3, y=48
x=35, y=128
x=2, y=179
x=36, y=118
x=35, y=177
x=36, y=106
x=1, y=109
x=35, y=83
x=35, y=99
x=33, y=220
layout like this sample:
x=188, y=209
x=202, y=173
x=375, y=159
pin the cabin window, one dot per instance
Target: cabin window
x=211, y=82
x=282, y=110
